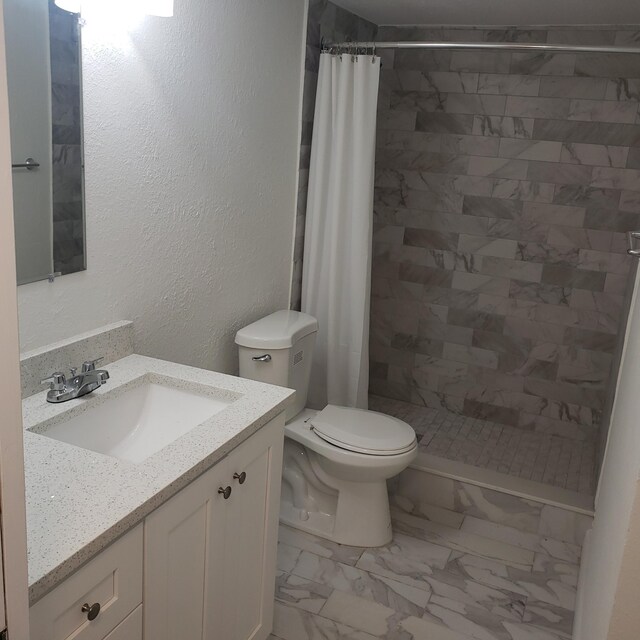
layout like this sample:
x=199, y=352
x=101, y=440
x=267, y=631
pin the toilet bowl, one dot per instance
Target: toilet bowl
x=337, y=460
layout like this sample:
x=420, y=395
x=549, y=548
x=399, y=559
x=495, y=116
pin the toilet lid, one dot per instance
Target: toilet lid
x=363, y=431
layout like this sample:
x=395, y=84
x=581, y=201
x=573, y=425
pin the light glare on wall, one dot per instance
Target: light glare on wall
x=163, y=8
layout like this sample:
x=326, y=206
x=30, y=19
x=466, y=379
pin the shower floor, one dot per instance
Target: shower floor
x=552, y=460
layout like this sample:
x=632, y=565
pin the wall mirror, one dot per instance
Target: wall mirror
x=45, y=109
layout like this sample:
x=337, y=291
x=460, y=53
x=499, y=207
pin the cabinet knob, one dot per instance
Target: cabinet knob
x=240, y=477
x=92, y=610
x=226, y=492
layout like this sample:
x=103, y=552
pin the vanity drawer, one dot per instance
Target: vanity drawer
x=113, y=579
x=129, y=629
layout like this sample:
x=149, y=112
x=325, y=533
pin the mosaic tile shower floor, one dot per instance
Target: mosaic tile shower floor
x=560, y=462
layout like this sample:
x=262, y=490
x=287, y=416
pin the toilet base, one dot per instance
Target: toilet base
x=361, y=519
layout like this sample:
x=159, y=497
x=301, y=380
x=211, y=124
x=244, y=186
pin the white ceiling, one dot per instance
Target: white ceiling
x=495, y=12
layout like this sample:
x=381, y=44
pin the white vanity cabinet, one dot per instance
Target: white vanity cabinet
x=210, y=550
x=200, y=567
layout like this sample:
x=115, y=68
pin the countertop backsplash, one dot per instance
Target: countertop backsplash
x=111, y=342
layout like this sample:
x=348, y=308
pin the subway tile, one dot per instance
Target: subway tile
x=633, y=159
x=475, y=104
x=530, y=150
x=563, y=391
x=505, y=306
x=491, y=207
x=498, y=168
x=609, y=178
x=554, y=214
x=470, y=355
x=475, y=319
x=416, y=101
x=486, y=411
x=517, y=269
x=416, y=199
x=616, y=284
x=397, y=120
x=425, y=275
x=546, y=293
x=566, y=276
x=503, y=84
x=567, y=35
x=448, y=82
x=480, y=283
x=605, y=219
x=594, y=340
x=545, y=64
x=421, y=161
x=481, y=61
x=523, y=190
x=400, y=80
x=441, y=366
x=604, y=261
x=537, y=331
x=515, y=34
x=545, y=252
x=421, y=59
x=596, y=155
x=630, y=202
x=603, y=111
x=469, y=145
x=443, y=123
x=548, y=108
x=623, y=89
x=560, y=173
x=586, y=196
x=409, y=141
x=587, y=132
x=608, y=65
x=507, y=127
x=562, y=87
x=577, y=238
x=437, y=330
x=483, y=246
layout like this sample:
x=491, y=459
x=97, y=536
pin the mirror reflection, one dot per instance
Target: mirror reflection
x=43, y=73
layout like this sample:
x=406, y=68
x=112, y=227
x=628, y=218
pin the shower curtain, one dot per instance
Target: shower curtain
x=336, y=278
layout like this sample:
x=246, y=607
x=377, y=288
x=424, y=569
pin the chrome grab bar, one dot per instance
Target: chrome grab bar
x=28, y=164
x=632, y=251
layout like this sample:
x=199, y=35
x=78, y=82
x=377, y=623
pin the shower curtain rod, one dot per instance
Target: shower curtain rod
x=508, y=46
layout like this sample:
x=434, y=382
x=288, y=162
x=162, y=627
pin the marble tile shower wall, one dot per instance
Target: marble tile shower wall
x=334, y=24
x=66, y=120
x=505, y=183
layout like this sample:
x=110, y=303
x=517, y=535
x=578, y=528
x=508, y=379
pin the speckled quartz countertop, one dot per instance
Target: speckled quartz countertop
x=78, y=501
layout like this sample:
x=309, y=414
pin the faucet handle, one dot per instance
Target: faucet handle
x=90, y=365
x=57, y=380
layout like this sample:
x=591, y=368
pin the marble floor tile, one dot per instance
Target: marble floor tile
x=383, y=622
x=543, y=615
x=287, y=556
x=530, y=632
x=387, y=591
x=536, y=586
x=290, y=623
x=301, y=593
x=319, y=546
x=533, y=542
x=464, y=541
x=427, y=511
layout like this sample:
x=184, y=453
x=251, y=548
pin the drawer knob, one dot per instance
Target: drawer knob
x=226, y=492
x=240, y=477
x=92, y=610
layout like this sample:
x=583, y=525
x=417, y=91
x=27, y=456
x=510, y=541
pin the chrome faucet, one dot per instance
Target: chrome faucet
x=80, y=384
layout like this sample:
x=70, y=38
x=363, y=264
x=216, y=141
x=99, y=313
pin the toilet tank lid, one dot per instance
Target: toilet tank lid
x=279, y=330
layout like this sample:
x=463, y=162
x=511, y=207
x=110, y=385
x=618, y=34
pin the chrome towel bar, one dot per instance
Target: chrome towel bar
x=28, y=164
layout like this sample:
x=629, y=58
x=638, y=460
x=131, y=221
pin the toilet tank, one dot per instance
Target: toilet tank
x=278, y=349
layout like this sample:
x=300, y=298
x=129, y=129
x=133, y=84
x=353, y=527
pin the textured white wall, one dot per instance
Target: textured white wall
x=609, y=539
x=191, y=137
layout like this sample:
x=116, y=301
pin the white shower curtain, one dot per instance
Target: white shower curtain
x=336, y=278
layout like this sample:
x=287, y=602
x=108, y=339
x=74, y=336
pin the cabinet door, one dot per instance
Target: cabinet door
x=252, y=532
x=184, y=538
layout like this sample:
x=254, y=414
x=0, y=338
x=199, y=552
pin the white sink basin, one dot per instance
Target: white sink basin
x=138, y=423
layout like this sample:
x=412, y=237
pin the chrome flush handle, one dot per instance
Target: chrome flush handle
x=265, y=358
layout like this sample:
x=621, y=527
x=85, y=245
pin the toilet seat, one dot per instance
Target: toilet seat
x=360, y=431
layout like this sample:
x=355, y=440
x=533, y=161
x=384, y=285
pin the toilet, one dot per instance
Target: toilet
x=336, y=460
